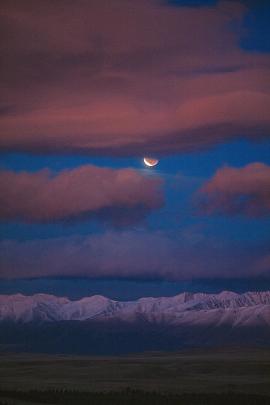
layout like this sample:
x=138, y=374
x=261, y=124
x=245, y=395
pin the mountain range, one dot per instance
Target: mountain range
x=97, y=324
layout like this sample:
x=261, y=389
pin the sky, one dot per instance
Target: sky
x=90, y=88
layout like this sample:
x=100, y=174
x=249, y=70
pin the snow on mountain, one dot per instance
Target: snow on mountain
x=225, y=308
x=23, y=308
x=90, y=308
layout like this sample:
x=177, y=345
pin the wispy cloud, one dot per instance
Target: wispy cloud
x=111, y=78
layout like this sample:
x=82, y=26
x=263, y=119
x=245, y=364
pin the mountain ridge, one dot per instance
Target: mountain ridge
x=226, y=307
x=45, y=323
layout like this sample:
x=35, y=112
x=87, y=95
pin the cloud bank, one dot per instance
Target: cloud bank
x=121, y=196
x=142, y=255
x=234, y=191
x=110, y=78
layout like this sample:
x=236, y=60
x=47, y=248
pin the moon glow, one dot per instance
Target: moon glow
x=150, y=162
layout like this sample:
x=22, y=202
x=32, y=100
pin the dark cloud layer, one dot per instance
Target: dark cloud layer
x=121, y=196
x=233, y=191
x=103, y=77
x=132, y=255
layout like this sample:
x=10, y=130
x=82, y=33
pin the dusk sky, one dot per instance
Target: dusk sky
x=90, y=88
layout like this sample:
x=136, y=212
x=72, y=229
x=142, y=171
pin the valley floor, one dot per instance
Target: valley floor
x=232, y=376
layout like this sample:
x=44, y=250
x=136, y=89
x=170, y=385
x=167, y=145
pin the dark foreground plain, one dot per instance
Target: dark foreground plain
x=220, y=376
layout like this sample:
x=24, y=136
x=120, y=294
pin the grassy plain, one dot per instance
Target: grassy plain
x=196, y=372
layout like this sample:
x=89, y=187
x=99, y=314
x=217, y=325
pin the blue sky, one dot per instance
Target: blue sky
x=226, y=249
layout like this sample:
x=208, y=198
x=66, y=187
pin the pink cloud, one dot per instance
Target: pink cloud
x=238, y=191
x=111, y=78
x=117, y=195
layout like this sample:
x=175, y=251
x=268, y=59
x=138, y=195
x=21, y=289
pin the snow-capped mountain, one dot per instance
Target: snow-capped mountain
x=98, y=325
x=225, y=308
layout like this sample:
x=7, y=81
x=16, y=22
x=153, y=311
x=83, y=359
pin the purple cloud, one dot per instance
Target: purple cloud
x=233, y=191
x=94, y=77
x=120, y=196
x=132, y=254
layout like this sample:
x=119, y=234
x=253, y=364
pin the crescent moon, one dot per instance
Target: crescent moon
x=150, y=162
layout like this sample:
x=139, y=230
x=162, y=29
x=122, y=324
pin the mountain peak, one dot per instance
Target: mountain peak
x=196, y=308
